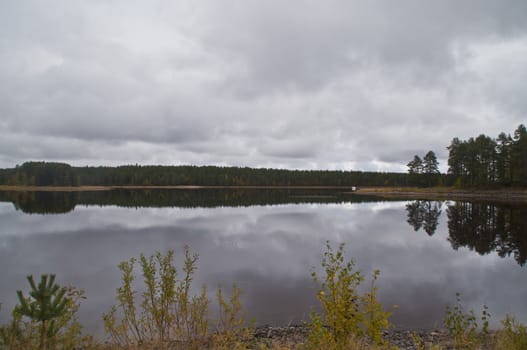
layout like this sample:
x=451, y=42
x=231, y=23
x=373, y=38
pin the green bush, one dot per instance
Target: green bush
x=168, y=314
x=463, y=326
x=349, y=318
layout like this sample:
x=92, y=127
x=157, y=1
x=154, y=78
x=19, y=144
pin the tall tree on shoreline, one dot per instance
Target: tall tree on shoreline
x=430, y=164
x=430, y=167
x=484, y=161
x=504, y=161
x=415, y=166
x=519, y=156
x=456, y=153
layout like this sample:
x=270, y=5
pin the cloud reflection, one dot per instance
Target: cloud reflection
x=268, y=251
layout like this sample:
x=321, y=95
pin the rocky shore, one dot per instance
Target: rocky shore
x=402, y=339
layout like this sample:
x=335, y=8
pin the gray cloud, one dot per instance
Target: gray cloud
x=306, y=85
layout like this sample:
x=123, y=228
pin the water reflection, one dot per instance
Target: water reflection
x=268, y=251
x=42, y=202
x=481, y=227
x=63, y=202
x=424, y=214
x=485, y=228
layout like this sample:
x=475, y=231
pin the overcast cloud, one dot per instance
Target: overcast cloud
x=360, y=85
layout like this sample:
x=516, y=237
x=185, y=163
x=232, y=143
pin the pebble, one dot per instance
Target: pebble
x=402, y=339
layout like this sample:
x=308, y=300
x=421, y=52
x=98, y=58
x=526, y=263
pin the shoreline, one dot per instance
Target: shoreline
x=174, y=187
x=440, y=193
x=518, y=195
x=433, y=193
x=403, y=339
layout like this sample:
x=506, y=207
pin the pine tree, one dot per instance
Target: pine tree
x=430, y=163
x=504, y=158
x=415, y=166
x=46, y=302
x=430, y=167
x=519, y=156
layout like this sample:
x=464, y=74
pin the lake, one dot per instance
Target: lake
x=267, y=242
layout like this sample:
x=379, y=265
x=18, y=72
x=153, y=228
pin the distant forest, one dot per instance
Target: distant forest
x=476, y=162
x=60, y=174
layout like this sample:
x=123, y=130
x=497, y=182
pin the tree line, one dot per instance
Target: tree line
x=476, y=162
x=61, y=174
x=484, y=161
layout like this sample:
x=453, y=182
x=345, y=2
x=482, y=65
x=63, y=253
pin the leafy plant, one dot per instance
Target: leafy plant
x=463, y=326
x=231, y=331
x=348, y=317
x=375, y=318
x=168, y=313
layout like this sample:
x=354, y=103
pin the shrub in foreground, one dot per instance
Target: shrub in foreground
x=463, y=326
x=349, y=318
x=168, y=315
x=512, y=336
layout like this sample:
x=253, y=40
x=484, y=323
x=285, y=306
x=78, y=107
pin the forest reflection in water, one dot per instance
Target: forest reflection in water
x=57, y=202
x=267, y=242
x=480, y=226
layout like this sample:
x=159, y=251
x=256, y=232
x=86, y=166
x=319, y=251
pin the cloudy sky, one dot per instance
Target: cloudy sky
x=360, y=85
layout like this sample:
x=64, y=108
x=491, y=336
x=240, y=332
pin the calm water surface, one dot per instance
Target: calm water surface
x=426, y=251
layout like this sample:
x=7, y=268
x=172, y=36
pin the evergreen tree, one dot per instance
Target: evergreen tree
x=503, y=161
x=484, y=151
x=519, y=156
x=415, y=166
x=430, y=164
x=430, y=167
x=46, y=302
x=484, y=161
x=455, y=156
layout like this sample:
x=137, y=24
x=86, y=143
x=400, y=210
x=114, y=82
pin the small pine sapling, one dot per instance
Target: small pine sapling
x=45, y=303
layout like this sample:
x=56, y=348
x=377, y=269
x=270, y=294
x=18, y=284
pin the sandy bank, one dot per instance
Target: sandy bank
x=446, y=193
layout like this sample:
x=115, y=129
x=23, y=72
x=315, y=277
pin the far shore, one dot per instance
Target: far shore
x=431, y=193
x=144, y=187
